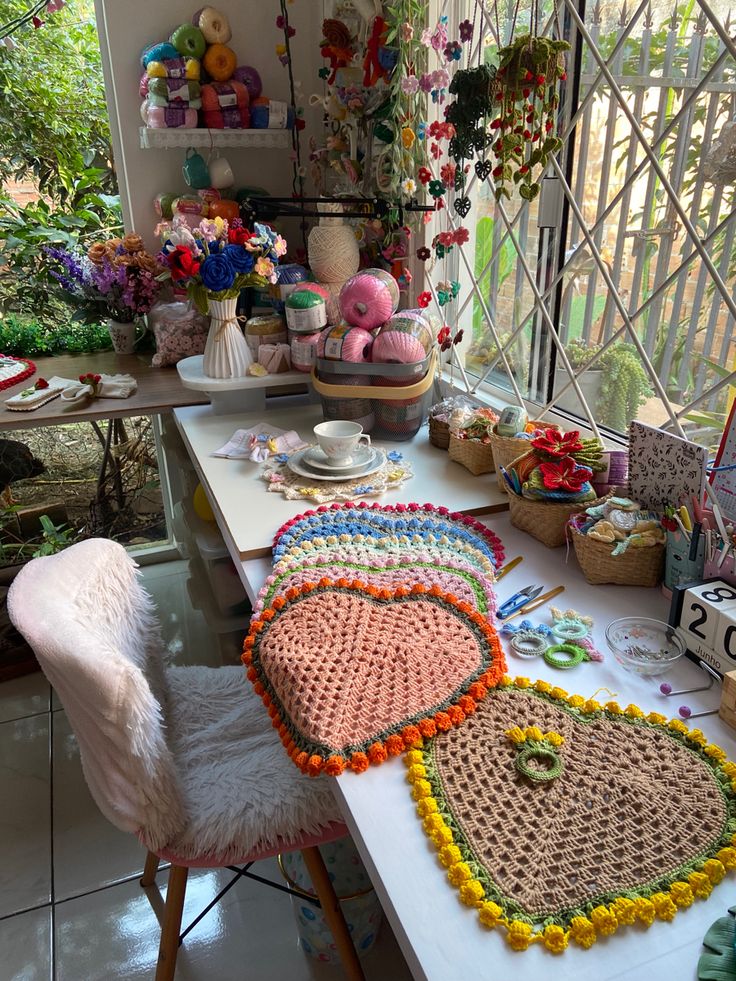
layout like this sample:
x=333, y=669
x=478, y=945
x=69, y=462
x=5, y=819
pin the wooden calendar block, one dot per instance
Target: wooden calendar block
x=724, y=637
x=702, y=607
x=727, y=710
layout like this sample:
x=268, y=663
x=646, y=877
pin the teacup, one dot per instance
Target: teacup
x=339, y=440
x=195, y=170
x=221, y=173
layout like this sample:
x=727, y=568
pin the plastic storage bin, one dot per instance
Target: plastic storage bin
x=388, y=400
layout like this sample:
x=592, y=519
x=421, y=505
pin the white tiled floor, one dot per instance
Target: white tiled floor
x=71, y=907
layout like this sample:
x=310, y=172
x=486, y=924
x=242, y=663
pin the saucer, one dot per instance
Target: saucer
x=315, y=456
x=297, y=464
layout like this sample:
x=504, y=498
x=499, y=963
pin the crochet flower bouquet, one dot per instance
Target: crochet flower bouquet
x=218, y=259
x=558, y=467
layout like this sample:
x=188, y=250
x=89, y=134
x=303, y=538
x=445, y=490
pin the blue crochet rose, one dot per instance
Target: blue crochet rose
x=217, y=272
x=241, y=259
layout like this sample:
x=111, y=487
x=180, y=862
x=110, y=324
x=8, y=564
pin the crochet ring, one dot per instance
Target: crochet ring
x=577, y=654
x=528, y=643
x=551, y=762
x=570, y=629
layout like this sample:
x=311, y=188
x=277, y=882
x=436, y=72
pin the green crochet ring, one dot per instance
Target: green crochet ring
x=576, y=652
x=544, y=754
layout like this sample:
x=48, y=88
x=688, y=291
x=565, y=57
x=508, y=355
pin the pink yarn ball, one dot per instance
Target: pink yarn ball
x=366, y=300
x=403, y=340
x=345, y=343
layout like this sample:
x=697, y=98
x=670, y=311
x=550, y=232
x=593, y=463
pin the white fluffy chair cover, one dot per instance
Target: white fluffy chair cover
x=228, y=786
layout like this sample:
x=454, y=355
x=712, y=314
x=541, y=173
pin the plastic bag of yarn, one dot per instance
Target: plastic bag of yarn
x=179, y=332
x=250, y=78
x=306, y=311
x=405, y=338
x=271, y=114
x=345, y=343
x=213, y=24
x=330, y=295
x=333, y=253
x=367, y=300
x=289, y=276
x=303, y=350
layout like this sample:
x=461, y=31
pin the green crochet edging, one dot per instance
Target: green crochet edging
x=480, y=596
x=325, y=750
x=564, y=917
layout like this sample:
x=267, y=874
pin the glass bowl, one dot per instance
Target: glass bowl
x=643, y=645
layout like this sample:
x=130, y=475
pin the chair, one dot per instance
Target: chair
x=183, y=757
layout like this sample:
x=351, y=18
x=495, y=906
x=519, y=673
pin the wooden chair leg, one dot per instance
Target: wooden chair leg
x=149, y=870
x=333, y=913
x=169, y=946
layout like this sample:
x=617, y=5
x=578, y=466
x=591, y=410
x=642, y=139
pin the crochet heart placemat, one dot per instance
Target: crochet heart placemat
x=282, y=480
x=351, y=674
x=460, y=581
x=561, y=820
x=418, y=522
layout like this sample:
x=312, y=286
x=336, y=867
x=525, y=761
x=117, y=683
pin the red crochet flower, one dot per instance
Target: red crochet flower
x=564, y=475
x=558, y=444
x=41, y=383
x=461, y=236
x=424, y=299
x=443, y=335
x=424, y=175
x=182, y=263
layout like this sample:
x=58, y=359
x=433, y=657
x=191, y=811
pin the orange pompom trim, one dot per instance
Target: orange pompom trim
x=314, y=766
x=428, y=728
x=251, y=674
x=411, y=735
x=377, y=753
x=278, y=603
x=394, y=745
x=358, y=762
x=444, y=723
x=456, y=714
x=334, y=766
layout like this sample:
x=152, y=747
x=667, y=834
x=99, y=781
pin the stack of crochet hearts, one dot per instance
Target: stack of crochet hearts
x=374, y=629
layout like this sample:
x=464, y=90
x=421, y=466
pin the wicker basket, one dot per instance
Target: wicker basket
x=634, y=567
x=475, y=456
x=545, y=521
x=507, y=448
x=439, y=433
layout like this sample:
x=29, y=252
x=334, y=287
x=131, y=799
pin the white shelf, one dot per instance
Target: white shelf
x=182, y=139
x=191, y=372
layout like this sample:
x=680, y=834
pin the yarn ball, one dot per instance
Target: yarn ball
x=366, y=301
x=385, y=276
x=250, y=78
x=403, y=340
x=158, y=52
x=306, y=311
x=303, y=350
x=333, y=253
x=289, y=276
x=214, y=25
x=400, y=417
x=143, y=85
x=271, y=114
x=189, y=41
x=219, y=62
x=345, y=343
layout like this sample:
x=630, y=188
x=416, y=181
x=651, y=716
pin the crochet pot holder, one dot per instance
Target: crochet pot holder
x=561, y=820
x=463, y=582
x=351, y=674
x=419, y=522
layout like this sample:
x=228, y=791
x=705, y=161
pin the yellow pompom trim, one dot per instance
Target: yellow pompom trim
x=575, y=701
x=554, y=938
x=677, y=726
x=715, y=752
x=633, y=712
x=427, y=805
x=542, y=686
x=582, y=932
x=519, y=935
x=459, y=873
x=472, y=892
x=613, y=707
x=490, y=915
x=590, y=706
x=604, y=920
x=657, y=719
x=558, y=693
x=522, y=682
x=682, y=894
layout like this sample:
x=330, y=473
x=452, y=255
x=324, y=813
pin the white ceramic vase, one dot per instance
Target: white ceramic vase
x=226, y=354
x=122, y=336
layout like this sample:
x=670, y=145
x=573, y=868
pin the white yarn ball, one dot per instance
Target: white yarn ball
x=333, y=253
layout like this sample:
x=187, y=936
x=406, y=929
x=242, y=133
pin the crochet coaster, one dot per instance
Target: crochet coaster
x=366, y=548
x=14, y=370
x=462, y=582
x=281, y=480
x=351, y=674
x=400, y=519
x=561, y=820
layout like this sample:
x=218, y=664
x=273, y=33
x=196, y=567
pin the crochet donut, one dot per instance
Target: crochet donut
x=189, y=41
x=219, y=62
x=213, y=25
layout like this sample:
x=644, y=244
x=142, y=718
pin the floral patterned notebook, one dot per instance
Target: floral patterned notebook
x=664, y=468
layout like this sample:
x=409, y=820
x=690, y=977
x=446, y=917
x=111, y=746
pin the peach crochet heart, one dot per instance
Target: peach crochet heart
x=352, y=674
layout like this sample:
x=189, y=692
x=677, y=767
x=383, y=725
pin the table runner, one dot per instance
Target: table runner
x=560, y=819
x=351, y=674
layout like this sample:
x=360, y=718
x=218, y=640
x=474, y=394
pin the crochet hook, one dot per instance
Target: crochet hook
x=508, y=567
x=539, y=601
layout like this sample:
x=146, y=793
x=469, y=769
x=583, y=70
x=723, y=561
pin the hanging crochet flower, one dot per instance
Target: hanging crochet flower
x=422, y=130
x=440, y=78
x=453, y=51
x=409, y=186
x=444, y=335
x=425, y=83
x=410, y=84
x=408, y=137
x=424, y=175
x=446, y=238
x=423, y=254
x=558, y=444
x=407, y=33
x=439, y=37
x=436, y=189
x=426, y=37
x=564, y=475
x=424, y=299
x=466, y=31
x=461, y=236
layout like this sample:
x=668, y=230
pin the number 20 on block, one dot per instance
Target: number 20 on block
x=707, y=617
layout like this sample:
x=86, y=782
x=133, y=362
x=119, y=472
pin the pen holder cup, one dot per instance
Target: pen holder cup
x=727, y=571
x=679, y=568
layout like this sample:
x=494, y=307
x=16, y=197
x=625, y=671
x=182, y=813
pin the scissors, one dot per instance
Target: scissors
x=518, y=600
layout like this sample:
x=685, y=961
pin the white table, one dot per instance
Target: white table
x=440, y=938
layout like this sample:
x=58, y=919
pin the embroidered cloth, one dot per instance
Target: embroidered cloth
x=562, y=820
x=351, y=674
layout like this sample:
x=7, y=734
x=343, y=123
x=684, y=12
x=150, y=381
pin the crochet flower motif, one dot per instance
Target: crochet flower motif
x=466, y=31
x=436, y=189
x=453, y=51
x=558, y=444
x=424, y=175
x=423, y=254
x=564, y=475
x=424, y=299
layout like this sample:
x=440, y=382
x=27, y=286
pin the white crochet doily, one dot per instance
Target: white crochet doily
x=281, y=480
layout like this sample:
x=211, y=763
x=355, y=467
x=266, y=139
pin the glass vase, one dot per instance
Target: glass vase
x=226, y=354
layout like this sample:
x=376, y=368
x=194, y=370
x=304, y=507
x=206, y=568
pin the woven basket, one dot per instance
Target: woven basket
x=634, y=567
x=545, y=521
x=439, y=433
x=507, y=448
x=475, y=456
